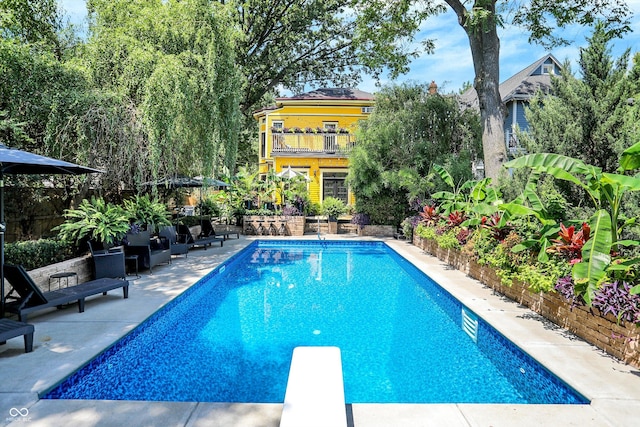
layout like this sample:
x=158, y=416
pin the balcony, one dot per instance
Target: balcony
x=312, y=143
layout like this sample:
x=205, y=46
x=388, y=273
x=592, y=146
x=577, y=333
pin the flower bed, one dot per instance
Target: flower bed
x=619, y=339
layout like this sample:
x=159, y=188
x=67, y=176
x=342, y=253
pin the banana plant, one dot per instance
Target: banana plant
x=606, y=191
x=470, y=197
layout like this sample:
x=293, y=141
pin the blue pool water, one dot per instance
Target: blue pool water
x=229, y=338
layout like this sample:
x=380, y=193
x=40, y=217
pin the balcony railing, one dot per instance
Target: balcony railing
x=513, y=145
x=325, y=143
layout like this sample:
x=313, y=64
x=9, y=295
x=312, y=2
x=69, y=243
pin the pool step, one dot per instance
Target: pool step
x=470, y=324
x=315, y=389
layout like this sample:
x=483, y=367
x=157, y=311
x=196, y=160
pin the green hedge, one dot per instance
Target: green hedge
x=37, y=253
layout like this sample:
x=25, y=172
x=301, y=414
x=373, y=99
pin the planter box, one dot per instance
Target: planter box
x=293, y=225
x=619, y=340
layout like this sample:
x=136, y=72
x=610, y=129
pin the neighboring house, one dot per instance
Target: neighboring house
x=313, y=133
x=516, y=93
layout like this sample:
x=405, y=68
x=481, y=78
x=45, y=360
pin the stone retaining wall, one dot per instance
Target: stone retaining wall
x=620, y=340
x=81, y=266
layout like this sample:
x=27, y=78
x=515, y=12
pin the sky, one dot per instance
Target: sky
x=451, y=65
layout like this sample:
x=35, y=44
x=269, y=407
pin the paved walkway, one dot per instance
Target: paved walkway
x=65, y=339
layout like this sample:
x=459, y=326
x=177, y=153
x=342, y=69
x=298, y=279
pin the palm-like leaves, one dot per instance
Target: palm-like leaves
x=95, y=219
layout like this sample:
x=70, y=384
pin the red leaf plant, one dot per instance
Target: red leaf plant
x=492, y=223
x=570, y=242
x=456, y=218
x=430, y=215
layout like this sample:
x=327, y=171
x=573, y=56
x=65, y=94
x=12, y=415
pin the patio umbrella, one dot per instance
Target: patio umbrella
x=18, y=162
x=289, y=173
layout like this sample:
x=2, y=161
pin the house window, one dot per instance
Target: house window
x=367, y=110
x=277, y=126
x=548, y=69
x=334, y=185
x=263, y=144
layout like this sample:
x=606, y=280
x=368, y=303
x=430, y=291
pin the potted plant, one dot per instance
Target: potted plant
x=95, y=220
x=333, y=208
x=148, y=213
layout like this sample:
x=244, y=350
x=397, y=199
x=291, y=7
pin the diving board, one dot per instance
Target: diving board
x=315, y=389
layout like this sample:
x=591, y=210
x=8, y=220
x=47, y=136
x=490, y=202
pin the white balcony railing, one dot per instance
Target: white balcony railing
x=327, y=143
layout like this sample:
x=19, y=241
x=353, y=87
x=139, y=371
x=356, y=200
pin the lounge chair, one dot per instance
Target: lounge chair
x=107, y=262
x=11, y=329
x=194, y=236
x=171, y=237
x=30, y=298
x=209, y=230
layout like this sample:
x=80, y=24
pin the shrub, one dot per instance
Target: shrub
x=333, y=207
x=361, y=219
x=37, y=253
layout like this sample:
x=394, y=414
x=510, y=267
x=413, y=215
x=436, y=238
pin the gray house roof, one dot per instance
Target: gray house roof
x=331, y=94
x=521, y=86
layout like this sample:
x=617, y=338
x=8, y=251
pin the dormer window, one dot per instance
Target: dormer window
x=548, y=69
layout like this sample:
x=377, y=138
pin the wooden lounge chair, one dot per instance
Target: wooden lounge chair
x=30, y=298
x=11, y=329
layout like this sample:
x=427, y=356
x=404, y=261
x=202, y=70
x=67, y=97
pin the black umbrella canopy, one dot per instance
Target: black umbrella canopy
x=18, y=162
x=14, y=161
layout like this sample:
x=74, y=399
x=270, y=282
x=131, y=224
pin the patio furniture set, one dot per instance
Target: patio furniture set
x=109, y=272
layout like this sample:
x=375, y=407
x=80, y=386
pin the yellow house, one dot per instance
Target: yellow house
x=312, y=134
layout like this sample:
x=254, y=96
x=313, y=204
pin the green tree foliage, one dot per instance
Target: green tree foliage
x=298, y=43
x=480, y=20
x=408, y=132
x=604, y=115
x=34, y=22
x=601, y=125
x=175, y=62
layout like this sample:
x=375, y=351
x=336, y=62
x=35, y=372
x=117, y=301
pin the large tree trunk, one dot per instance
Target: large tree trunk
x=485, y=50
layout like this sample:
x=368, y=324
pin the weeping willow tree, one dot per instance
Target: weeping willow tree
x=172, y=65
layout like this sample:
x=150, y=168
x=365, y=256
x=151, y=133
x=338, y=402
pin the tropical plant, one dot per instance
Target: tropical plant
x=606, y=191
x=333, y=207
x=94, y=219
x=570, y=242
x=148, y=213
x=430, y=215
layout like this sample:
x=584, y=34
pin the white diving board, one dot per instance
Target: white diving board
x=315, y=389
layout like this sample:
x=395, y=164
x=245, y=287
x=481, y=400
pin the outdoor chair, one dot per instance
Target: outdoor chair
x=209, y=230
x=170, y=235
x=107, y=262
x=150, y=251
x=11, y=329
x=194, y=237
x=30, y=298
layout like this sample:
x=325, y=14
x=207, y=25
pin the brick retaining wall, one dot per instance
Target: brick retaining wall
x=619, y=340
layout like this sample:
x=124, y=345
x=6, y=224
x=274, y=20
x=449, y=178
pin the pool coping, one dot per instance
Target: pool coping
x=65, y=340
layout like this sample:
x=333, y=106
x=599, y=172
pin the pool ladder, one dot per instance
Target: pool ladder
x=470, y=324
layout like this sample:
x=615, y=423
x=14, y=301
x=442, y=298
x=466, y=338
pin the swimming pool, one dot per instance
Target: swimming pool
x=229, y=337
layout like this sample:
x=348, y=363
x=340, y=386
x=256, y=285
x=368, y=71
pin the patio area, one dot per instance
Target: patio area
x=65, y=339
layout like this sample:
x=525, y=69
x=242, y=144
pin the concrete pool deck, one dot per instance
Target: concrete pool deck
x=65, y=339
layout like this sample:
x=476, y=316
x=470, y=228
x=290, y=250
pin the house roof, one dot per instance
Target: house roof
x=326, y=94
x=522, y=85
